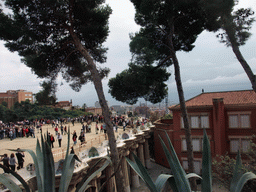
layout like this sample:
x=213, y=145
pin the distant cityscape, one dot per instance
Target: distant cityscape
x=13, y=96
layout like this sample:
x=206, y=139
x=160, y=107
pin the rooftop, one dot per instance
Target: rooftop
x=245, y=97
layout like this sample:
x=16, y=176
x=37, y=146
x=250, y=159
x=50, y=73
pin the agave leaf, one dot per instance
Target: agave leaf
x=40, y=160
x=85, y=184
x=161, y=181
x=237, y=172
x=206, y=165
x=88, y=173
x=9, y=183
x=142, y=172
x=49, y=171
x=173, y=185
x=17, y=176
x=68, y=169
x=177, y=170
x=245, y=177
x=39, y=179
x=191, y=175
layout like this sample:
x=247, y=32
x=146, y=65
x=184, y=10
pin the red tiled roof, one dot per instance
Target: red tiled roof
x=247, y=97
x=63, y=102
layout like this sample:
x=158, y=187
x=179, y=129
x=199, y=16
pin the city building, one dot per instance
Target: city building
x=67, y=105
x=228, y=117
x=94, y=110
x=13, y=96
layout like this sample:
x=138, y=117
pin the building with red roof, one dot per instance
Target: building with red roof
x=228, y=117
x=67, y=105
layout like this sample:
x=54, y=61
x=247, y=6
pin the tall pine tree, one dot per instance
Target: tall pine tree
x=59, y=36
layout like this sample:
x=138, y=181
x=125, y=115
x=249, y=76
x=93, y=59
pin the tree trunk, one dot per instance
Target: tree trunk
x=183, y=110
x=230, y=31
x=105, y=110
x=245, y=65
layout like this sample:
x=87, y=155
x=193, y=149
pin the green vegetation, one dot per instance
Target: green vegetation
x=27, y=110
x=179, y=182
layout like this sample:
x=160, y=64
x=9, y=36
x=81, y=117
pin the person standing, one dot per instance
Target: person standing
x=6, y=160
x=13, y=162
x=124, y=125
x=52, y=140
x=59, y=137
x=74, y=137
x=20, y=155
x=96, y=128
x=56, y=130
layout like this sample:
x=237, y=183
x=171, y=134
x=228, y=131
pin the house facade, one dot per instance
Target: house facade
x=67, y=105
x=228, y=117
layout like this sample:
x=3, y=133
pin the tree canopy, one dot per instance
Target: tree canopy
x=166, y=27
x=59, y=36
x=41, y=35
x=47, y=95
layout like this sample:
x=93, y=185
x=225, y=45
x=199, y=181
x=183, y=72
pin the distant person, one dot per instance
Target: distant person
x=13, y=162
x=74, y=137
x=82, y=138
x=52, y=140
x=96, y=128
x=59, y=137
x=20, y=157
x=56, y=130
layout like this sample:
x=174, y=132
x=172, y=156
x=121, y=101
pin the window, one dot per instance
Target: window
x=239, y=120
x=196, y=142
x=197, y=121
x=197, y=166
x=242, y=144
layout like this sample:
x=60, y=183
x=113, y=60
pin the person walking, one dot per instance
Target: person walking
x=20, y=155
x=13, y=162
x=82, y=138
x=59, y=137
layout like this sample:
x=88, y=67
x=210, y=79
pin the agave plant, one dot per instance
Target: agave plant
x=179, y=179
x=45, y=171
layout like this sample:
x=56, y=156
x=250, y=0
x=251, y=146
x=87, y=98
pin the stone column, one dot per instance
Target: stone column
x=141, y=154
x=111, y=185
x=94, y=183
x=125, y=173
x=135, y=182
x=147, y=156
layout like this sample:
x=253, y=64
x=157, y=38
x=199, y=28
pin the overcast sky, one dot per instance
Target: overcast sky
x=210, y=65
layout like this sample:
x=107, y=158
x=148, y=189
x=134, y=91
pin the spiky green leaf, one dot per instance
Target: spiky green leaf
x=84, y=186
x=206, y=165
x=245, y=177
x=9, y=183
x=17, y=176
x=142, y=172
x=161, y=182
x=177, y=170
x=237, y=174
x=67, y=172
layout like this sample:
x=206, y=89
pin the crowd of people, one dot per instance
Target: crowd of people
x=27, y=129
